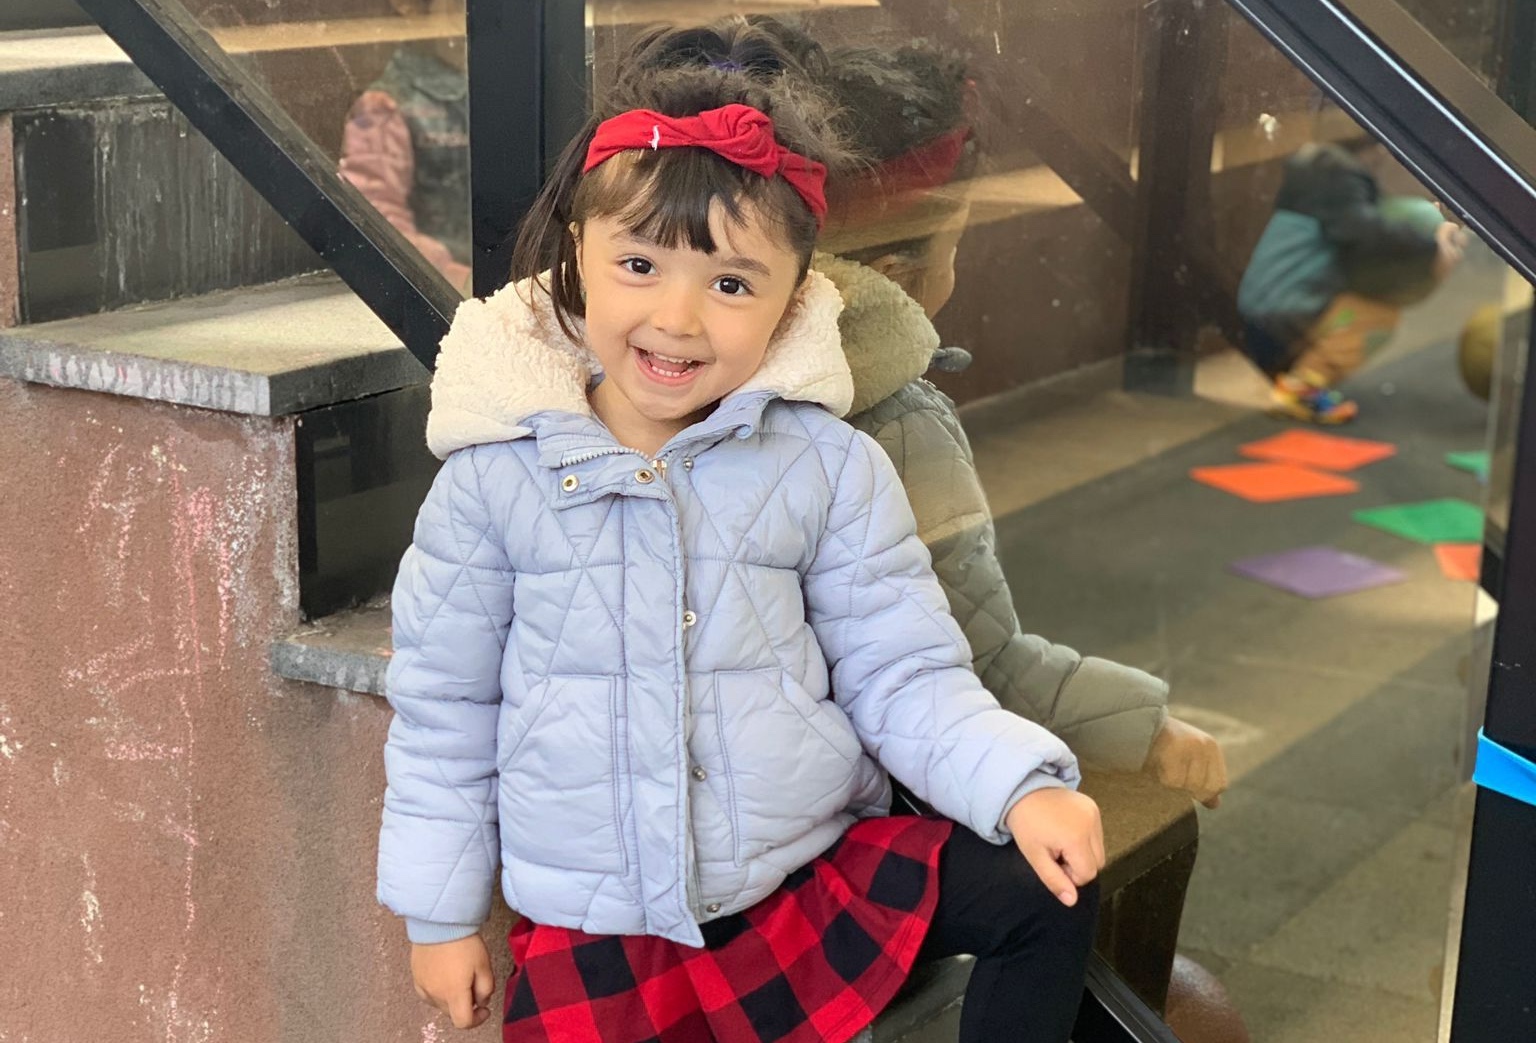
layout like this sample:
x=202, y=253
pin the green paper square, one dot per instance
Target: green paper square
x=1473, y=463
x=1434, y=521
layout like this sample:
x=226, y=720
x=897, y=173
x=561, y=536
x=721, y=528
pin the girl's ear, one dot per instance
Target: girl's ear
x=793, y=307
x=892, y=265
x=574, y=230
x=798, y=296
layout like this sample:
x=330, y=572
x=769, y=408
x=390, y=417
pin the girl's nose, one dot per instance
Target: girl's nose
x=677, y=313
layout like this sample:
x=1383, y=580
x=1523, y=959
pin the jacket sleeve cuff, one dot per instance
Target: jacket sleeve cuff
x=1037, y=780
x=1124, y=709
x=425, y=932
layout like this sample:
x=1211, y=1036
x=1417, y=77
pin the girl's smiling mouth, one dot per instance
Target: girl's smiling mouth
x=665, y=369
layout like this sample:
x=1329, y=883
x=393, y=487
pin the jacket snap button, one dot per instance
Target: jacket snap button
x=700, y=774
x=712, y=907
x=569, y=483
x=690, y=618
x=688, y=463
x=644, y=476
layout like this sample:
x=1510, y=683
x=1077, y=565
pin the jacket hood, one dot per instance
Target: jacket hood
x=888, y=340
x=505, y=359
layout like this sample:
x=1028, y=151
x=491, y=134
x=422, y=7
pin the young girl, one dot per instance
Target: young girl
x=666, y=625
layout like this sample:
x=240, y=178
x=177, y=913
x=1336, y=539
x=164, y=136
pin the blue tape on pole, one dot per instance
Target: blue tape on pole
x=1504, y=771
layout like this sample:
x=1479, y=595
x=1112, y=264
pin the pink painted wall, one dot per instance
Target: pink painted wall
x=10, y=276
x=186, y=843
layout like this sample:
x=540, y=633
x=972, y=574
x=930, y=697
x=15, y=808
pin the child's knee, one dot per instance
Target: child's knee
x=1072, y=927
x=1044, y=920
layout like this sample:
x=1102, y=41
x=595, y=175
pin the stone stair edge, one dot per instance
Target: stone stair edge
x=269, y=350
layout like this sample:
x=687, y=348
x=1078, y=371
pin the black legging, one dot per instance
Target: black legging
x=1031, y=951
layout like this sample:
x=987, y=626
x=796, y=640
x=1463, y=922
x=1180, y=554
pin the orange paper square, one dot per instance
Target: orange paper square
x=1460, y=560
x=1315, y=449
x=1271, y=483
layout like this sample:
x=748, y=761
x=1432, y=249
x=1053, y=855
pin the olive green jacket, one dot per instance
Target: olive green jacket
x=1107, y=713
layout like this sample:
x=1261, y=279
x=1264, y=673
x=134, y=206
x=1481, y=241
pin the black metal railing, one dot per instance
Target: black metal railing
x=235, y=112
x=527, y=75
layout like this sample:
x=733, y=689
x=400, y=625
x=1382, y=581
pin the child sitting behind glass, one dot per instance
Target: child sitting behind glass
x=1330, y=276
x=405, y=145
x=896, y=228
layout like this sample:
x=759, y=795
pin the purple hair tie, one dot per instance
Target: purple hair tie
x=727, y=66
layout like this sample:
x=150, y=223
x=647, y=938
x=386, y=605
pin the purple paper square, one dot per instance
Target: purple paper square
x=1318, y=572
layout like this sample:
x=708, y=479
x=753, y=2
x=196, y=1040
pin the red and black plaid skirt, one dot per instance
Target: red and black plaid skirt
x=814, y=962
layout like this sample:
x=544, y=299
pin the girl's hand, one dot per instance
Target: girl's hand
x=455, y=977
x=1060, y=834
x=1185, y=758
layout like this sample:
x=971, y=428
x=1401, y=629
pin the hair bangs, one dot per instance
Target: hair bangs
x=667, y=197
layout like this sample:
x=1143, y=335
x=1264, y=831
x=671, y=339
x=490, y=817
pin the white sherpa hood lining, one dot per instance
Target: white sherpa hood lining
x=505, y=359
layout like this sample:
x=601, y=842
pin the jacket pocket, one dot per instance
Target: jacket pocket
x=791, y=759
x=559, y=788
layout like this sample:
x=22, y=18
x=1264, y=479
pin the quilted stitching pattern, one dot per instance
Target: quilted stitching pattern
x=1105, y=712
x=803, y=561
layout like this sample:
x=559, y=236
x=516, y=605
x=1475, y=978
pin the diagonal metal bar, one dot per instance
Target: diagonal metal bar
x=1399, y=83
x=270, y=151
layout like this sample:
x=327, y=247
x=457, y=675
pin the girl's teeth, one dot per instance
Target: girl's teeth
x=666, y=364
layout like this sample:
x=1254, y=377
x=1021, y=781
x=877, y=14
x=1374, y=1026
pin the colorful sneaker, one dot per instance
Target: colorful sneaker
x=1297, y=399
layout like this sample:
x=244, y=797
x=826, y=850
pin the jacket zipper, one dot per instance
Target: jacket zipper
x=581, y=458
x=693, y=889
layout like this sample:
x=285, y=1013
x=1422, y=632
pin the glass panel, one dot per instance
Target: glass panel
x=380, y=85
x=1151, y=196
x=1473, y=30
x=41, y=14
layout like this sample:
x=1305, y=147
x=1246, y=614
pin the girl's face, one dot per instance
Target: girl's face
x=677, y=329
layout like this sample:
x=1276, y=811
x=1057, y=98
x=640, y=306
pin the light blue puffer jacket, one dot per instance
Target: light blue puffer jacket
x=652, y=689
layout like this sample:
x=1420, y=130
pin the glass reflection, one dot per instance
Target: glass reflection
x=987, y=254
x=405, y=145
x=379, y=86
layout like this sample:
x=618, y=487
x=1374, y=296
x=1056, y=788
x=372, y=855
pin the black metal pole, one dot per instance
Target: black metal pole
x=527, y=97
x=1182, y=61
x=1515, y=38
x=270, y=151
x=1495, y=998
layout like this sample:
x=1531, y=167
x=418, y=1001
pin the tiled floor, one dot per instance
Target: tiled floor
x=1324, y=882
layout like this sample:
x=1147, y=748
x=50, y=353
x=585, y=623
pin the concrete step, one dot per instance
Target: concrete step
x=111, y=198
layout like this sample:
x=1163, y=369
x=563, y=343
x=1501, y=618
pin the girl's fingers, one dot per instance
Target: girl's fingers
x=485, y=985
x=1051, y=875
x=461, y=1008
x=1082, y=862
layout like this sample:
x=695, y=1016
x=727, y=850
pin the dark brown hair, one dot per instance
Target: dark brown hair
x=666, y=195
x=890, y=103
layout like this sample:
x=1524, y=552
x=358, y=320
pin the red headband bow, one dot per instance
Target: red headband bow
x=738, y=133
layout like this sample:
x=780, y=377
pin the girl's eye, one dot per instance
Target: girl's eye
x=732, y=286
x=637, y=265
